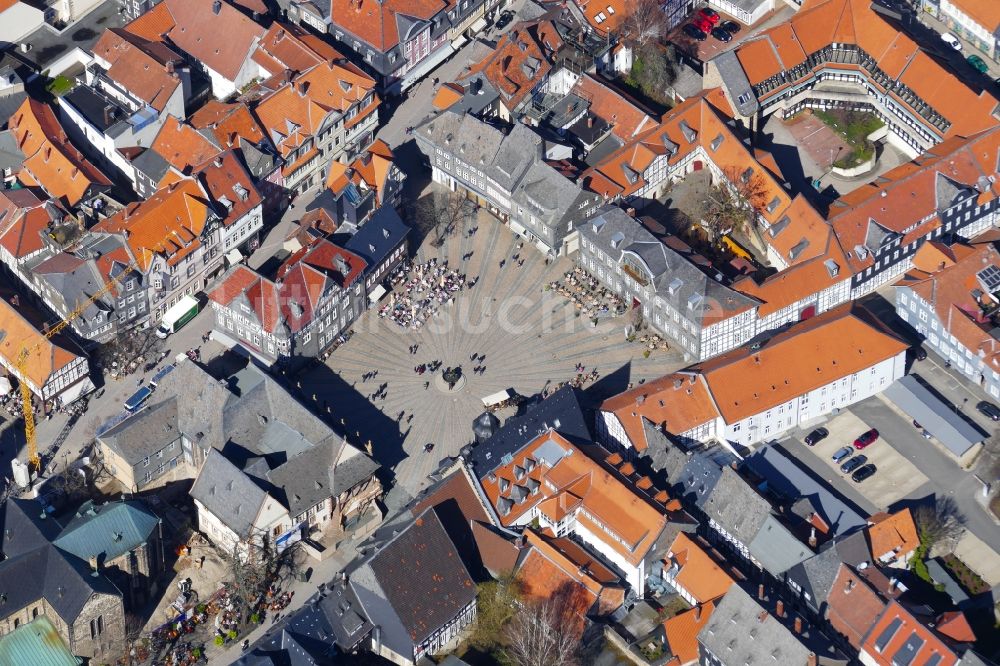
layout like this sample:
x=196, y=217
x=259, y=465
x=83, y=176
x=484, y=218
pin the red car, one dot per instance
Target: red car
x=709, y=15
x=702, y=24
x=867, y=439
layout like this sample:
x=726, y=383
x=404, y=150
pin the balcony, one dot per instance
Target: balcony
x=636, y=274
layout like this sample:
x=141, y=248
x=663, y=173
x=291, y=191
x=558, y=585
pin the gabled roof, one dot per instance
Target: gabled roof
x=229, y=124
x=892, y=533
x=194, y=26
x=737, y=507
x=677, y=402
x=45, y=358
x=228, y=494
x=852, y=606
x=554, y=477
x=144, y=68
x=681, y=632
x=51, y=160
x=377, y=22
x=23, y=219
x=183, y=147
x=379, y=236
x=821, y=24
x=521, y=60
x=413, y=585
x=900, y=638
x=230, y=187
x=369, y=171
x=107, y=531
x=286, y=46
x=169, y=223
x=698, y=572
x=37, y=643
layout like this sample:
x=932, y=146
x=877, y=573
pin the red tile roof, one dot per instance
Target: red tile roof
x=894, y=628
x=286, y=46
x=144, y=68
x=230, y=124
x=51, y=160
x=699, y=573
x=826, y=22
x=45, y=358
x=23, y=219
x=182, y=146
x=852, y=606
x=569, y=483
x=230, y=186
x=194, y=27
x=682, y=631
x=521, y=60
x=375, y=21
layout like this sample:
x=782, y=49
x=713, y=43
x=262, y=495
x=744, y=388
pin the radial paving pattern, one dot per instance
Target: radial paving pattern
x=531, y=338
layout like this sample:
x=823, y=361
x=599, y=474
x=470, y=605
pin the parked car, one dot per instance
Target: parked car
x=842, y=453
x=952, y=41
x=978, y=64
x=863, y=473
x=722, y=35
x=815, y=436
x=704, y=25
x=853, y=464
x=709, y=15
x=866, y=439
x=989, y=409
x=919, y=353
x=731, y=27
x=506, y=17
x=692, y=31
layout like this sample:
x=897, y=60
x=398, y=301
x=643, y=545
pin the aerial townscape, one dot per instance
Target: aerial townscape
x=500, y=332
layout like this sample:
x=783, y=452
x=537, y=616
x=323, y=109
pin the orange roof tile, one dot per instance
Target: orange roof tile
x=542, y=580
x=682, y=631
x=983, y=12
x=852, y=605
x=906, y=627
x=520, y=61
x=230, y=185
x=820, y=24
x=955, y=626
x=152, y=25
x=23, y=219
x=284, y=46
x=144, y=68
x=230, y=124
x=894, y=534
x=375, y=22
x=605, y=15
x=45, y=358
x=574, y=481
x=51, y=160
x=447, y=95
x=676, y=403
x=811, y=354
x=182, y=146
x=627, y=119
x=699, y=573
x=560, y=561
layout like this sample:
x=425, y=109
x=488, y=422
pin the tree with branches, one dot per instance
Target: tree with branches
x=128, y=646
x=646, y=23
x=442, y=212
x=734, y=204
x=547, y=633
x=654, y=70
x=251, y=569
x=938, y=522
x=496, y=604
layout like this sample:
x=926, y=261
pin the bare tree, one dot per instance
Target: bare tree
x=646, y=22
x=548, y=633
x=654, y=70
x=442, y=212
x=496, y=604
x=126, y=646
x=939, y=521
x=251, y=569
x=735, y=204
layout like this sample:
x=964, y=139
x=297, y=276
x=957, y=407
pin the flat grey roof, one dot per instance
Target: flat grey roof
x=936, y=417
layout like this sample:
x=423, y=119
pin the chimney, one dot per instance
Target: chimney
x=217, y=7
x=590, y=121
x=779, y=609
x=812, y=537
x=849, y=586
x=812, y=660
x=697, y=613
x=892, y=585
x=798, y=624
x=218, y=161
x=109, y=114
x=761, y=616
x=760, y=591
x=303, y=87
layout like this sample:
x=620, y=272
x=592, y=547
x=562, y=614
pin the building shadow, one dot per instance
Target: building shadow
x=605, y=387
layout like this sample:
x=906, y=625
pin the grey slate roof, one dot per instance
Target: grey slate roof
x=670, y=270
x=150, y=163
x=561, y=411
x=737, y=619
x=957, y=434
x=414, y=584
x=789, y=480
x=144, y=433
x=735, y=79
x=776, y=548
x=228, y=493
x=692, y=473
x=315, y=474
x=34, y=568
x=11, y=156
x=736, y=506
x=378, y=237
x=109, y=530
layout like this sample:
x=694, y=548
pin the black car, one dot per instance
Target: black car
x=815, y=436
x=863, y=473
x=722, y=35
x=732, y=27
x=853, y=464
x=989, y=409
x=505, y=18
x=693, y=32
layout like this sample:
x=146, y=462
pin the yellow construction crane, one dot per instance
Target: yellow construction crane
x=34, y=460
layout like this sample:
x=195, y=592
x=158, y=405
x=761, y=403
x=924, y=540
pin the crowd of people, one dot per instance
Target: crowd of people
x=587, y=294
x=419, y=289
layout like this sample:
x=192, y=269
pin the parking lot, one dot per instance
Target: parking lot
x=895, y=479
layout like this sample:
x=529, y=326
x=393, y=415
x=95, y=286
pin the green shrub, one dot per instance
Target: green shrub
x=219, y=640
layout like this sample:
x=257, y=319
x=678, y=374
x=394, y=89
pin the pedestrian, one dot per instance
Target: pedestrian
x=502, y=262
x=426, y=384
x=520, y=263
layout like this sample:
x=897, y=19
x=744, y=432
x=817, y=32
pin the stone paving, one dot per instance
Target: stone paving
x=532, y=340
